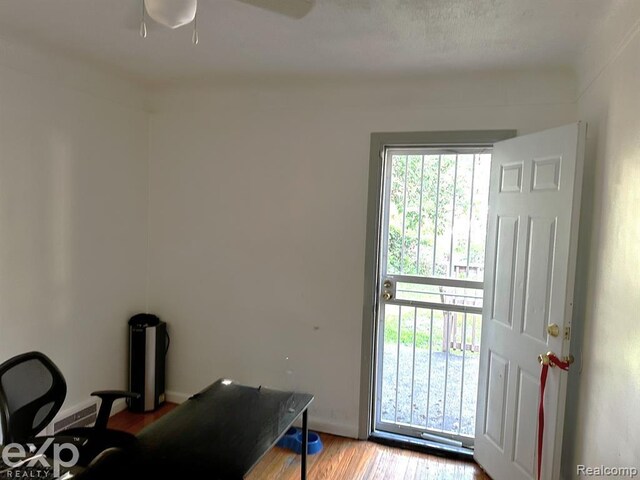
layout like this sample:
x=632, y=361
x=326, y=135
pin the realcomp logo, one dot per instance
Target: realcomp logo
x=34, y=463
x=606, y=471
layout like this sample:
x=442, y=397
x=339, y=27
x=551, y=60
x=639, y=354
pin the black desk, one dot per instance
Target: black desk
x=222, y=432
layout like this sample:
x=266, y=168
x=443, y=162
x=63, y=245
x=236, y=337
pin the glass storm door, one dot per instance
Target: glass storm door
x=431, y=268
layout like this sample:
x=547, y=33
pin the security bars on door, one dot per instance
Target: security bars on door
x=430, y=306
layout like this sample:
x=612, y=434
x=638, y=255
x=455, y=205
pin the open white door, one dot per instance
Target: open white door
x=534, y=207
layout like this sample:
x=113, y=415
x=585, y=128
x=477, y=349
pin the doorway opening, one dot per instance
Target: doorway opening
x=425, y=252
x=431, y=267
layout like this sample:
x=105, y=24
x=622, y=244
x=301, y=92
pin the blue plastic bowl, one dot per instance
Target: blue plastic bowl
x=292, y=440
x=314, y=444
x=289, y=440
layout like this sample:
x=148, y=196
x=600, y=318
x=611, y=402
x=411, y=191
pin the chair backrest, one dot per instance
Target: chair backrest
x=32, y=391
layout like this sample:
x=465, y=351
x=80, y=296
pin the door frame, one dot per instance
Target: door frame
x=380, y=141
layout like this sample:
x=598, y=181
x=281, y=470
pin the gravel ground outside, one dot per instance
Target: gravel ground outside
x=444, y=414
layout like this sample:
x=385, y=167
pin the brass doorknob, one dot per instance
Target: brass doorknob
x=387, y=295
x=543, y=359
x=553, y=330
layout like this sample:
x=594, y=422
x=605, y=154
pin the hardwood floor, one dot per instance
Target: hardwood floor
x=341, y=459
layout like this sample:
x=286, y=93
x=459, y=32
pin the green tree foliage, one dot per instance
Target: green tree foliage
x=422, y=227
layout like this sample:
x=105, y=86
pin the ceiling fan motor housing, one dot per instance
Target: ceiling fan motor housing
x=172, y=13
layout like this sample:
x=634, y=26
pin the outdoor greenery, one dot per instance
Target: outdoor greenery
x=445, y=226
x=422, y=331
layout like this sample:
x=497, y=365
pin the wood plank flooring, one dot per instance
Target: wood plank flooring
x=341, y=459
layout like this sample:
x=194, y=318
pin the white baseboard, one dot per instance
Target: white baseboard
x=118, y=406
x=177, y=397
x=333, y=428
x=315, y=424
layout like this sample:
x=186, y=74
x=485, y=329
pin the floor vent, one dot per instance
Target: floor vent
x=81, y=418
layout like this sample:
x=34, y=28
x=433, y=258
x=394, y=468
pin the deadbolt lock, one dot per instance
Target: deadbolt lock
x=553, y=330
x=387, y=284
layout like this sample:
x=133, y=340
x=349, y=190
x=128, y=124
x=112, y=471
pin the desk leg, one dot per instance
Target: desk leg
x=305, y=446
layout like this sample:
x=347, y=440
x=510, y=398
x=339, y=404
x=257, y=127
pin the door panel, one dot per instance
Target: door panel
x=496, y=396
x=526, y=402
x=534, y=204
x=540, y=253
x=503, y=284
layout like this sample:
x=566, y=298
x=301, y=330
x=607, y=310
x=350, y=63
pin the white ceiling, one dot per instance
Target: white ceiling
x=338, y=37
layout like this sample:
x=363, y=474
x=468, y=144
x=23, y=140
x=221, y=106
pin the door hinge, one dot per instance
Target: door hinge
x=567, y=333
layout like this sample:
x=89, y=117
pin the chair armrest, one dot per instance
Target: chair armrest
x=107, y=398
x=115, y=394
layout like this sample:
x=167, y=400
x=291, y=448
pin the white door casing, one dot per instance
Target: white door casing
x=534, y=206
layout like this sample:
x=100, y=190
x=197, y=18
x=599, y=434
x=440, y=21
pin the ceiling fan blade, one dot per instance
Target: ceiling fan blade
x=290, y=8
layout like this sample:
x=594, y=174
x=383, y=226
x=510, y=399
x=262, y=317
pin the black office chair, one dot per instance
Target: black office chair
x=32, y=391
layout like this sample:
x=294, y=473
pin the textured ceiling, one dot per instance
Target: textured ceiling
x=338, y=37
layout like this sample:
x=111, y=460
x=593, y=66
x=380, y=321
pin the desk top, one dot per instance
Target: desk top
x=222, y=432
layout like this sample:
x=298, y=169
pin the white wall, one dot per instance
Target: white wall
x=258, y=198
x=604, y=405
x=73, y=216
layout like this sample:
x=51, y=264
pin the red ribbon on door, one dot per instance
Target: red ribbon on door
x=548, y=360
